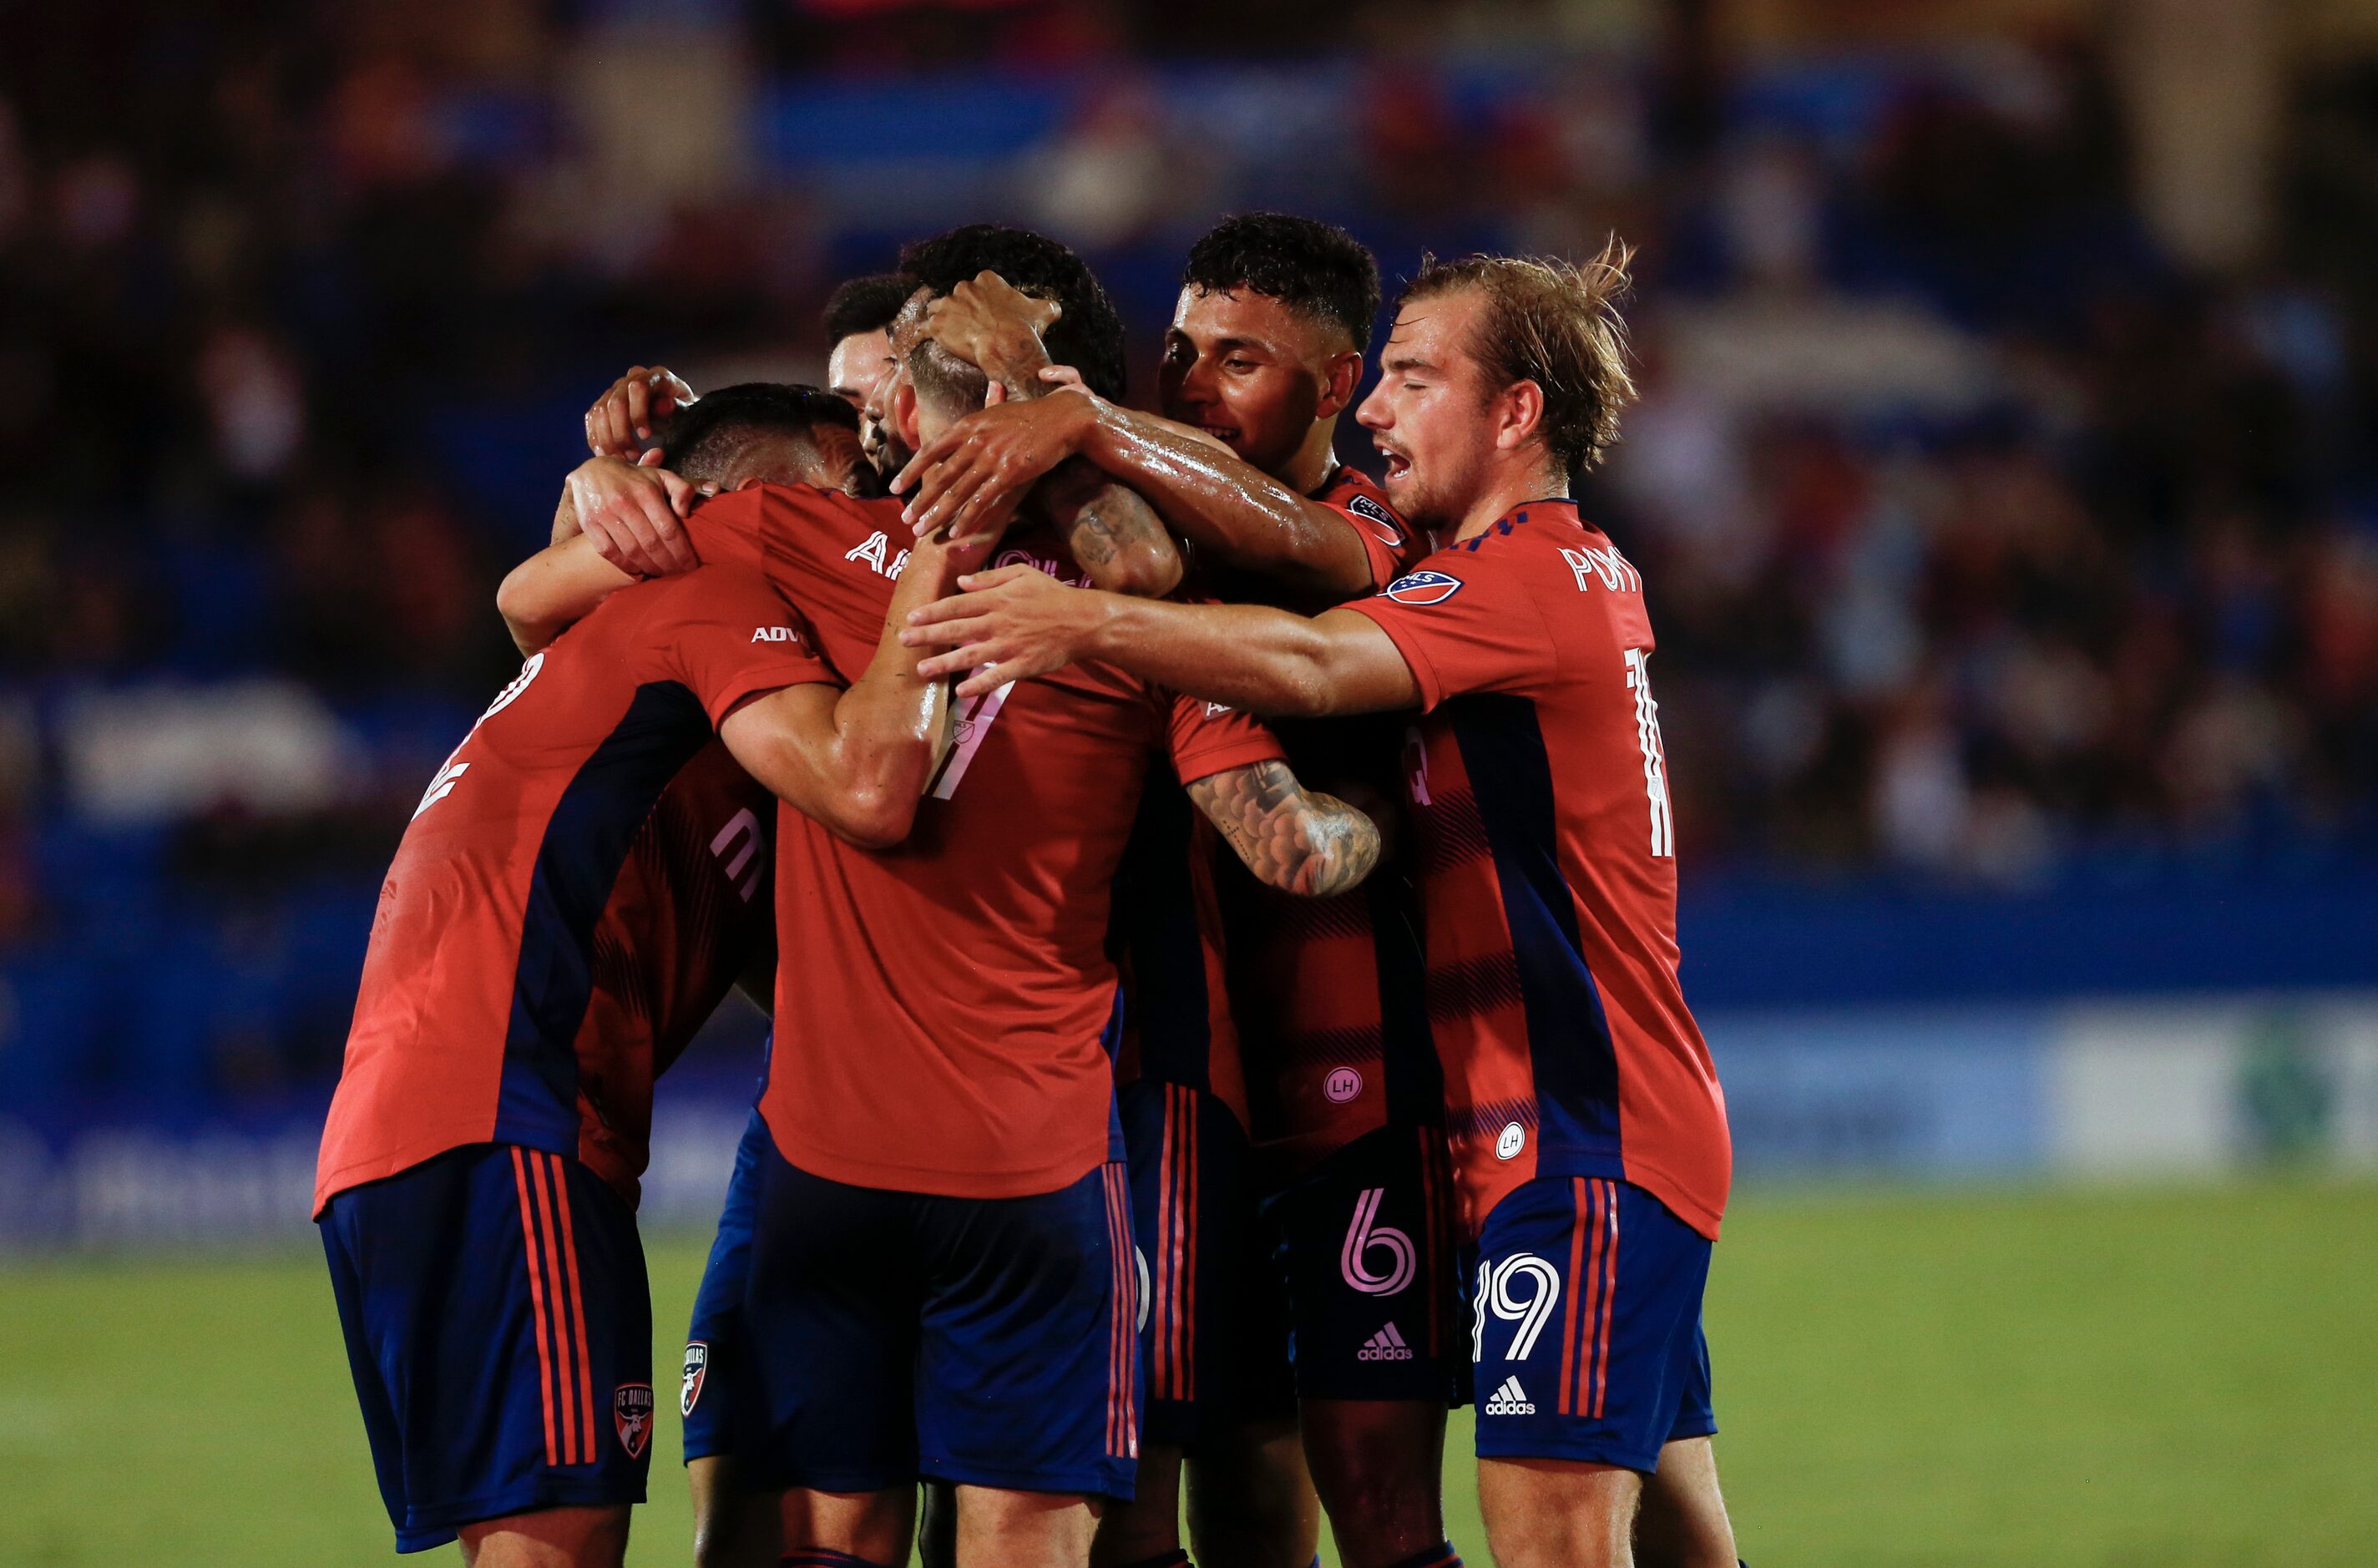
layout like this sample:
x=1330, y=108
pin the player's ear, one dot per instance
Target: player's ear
x=1519, y=411
x=904, y=413
x=1338, y=378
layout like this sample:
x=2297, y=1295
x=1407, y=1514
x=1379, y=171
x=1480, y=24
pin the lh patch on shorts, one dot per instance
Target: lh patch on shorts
x=631, y=1417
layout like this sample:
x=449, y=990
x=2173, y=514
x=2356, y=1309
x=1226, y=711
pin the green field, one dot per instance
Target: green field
x=2111, y=1378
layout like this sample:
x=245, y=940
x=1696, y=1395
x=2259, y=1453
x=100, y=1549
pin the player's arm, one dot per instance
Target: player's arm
x=1294, y=839
x=1263, y=660
x=553, y=590
x=1228, y=510
x=857, y=759
x=618, y=522
x=1114, y=533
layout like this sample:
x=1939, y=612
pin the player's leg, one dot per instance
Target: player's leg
x=554, y=1538
x=1379, y=1466
x=937, y=1526
x=861, y=1529
x=1557, y=1513
x=1682, y=1522
x=1370, y=1268
x=735, y=1526
x=500, y=1328
x=1027, y=1386
x=1147, y=1529
x=1002, y=1527
x=1250, y=1499
x=830, y=1318
x=1591, y=1371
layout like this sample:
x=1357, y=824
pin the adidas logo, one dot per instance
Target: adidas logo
x=1385, y=1345
x=1510, y=1400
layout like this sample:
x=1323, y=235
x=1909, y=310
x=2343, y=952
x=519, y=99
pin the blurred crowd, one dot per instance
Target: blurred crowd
x=1986, y=538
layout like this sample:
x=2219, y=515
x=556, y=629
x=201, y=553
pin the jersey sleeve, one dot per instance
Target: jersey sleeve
x=728, y=636
x=1390, y=544
x=1210, y=737
x=1464, y=622
x=725, y=530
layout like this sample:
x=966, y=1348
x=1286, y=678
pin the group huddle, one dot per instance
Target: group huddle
x=1119, y=1143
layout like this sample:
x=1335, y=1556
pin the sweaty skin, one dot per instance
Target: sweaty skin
x=1261, y=387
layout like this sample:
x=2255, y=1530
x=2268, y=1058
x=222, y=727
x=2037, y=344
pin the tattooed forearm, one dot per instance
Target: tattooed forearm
x=1116, y=536
x=1297, y=840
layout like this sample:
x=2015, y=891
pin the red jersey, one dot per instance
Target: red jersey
x=1549, y=872
x=577, y=889
x=1327, y=992
x=947, y=1028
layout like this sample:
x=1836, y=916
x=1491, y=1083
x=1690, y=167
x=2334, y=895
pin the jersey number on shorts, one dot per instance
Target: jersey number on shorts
x=1365, y=1234
x=1497, y=1293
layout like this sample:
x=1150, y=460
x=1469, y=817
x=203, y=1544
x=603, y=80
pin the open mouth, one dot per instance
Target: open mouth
x=1227, y=433
x=1398, y=465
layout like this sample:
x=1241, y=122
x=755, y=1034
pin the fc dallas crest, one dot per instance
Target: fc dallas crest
x=632, y=1415
x=697, y=1363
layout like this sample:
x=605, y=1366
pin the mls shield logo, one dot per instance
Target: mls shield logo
x=631, y=1417
x=1383, y=522
x=697, y=1363
x=1423, y=588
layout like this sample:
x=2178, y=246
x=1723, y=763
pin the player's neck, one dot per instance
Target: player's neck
x=1520, y=484
x=1315, y=463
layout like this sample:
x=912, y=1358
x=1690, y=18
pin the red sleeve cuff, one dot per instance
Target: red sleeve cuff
x=1205, y=764
x=1409, y=643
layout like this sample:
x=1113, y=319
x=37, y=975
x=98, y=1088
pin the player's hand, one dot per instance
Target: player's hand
x=989, y=322
x=1011, y=624
x=969, y=479
x=635, y=514
x=638, y=403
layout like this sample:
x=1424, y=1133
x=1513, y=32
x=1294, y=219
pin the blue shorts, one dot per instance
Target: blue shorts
x=899, y=1337
x=1363, y=1263
x=715, y=1394
x=499, y=1330
x=1586, y=1314
x=1190, y=1217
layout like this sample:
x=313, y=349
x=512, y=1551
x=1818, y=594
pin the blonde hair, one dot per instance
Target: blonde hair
x=1555, y=323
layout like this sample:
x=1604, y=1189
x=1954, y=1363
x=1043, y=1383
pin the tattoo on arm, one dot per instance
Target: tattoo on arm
x=1297, y=840
x=1104, y=522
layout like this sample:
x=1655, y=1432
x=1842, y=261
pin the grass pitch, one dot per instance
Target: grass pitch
x=2107, y=1378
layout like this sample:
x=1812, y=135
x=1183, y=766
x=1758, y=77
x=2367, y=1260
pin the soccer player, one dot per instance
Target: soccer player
x=1588, y=1127
x=574, y=893
x=736, y=436
x=859, y=325
x=1353, y=1261
x=942, y=1235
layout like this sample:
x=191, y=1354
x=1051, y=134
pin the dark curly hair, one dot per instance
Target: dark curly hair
x=705, y=441
x=866, y=305
x=1312, y=268
x=1088, y=336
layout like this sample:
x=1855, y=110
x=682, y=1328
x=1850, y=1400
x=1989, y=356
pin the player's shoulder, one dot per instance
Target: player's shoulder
x=1544, y=538
x=758, y=509
x=1359, y=496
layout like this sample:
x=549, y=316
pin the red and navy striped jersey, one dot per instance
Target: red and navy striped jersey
x=1548, y=870
x=943, y=1015
x=1326, y=993
x=581, y=882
